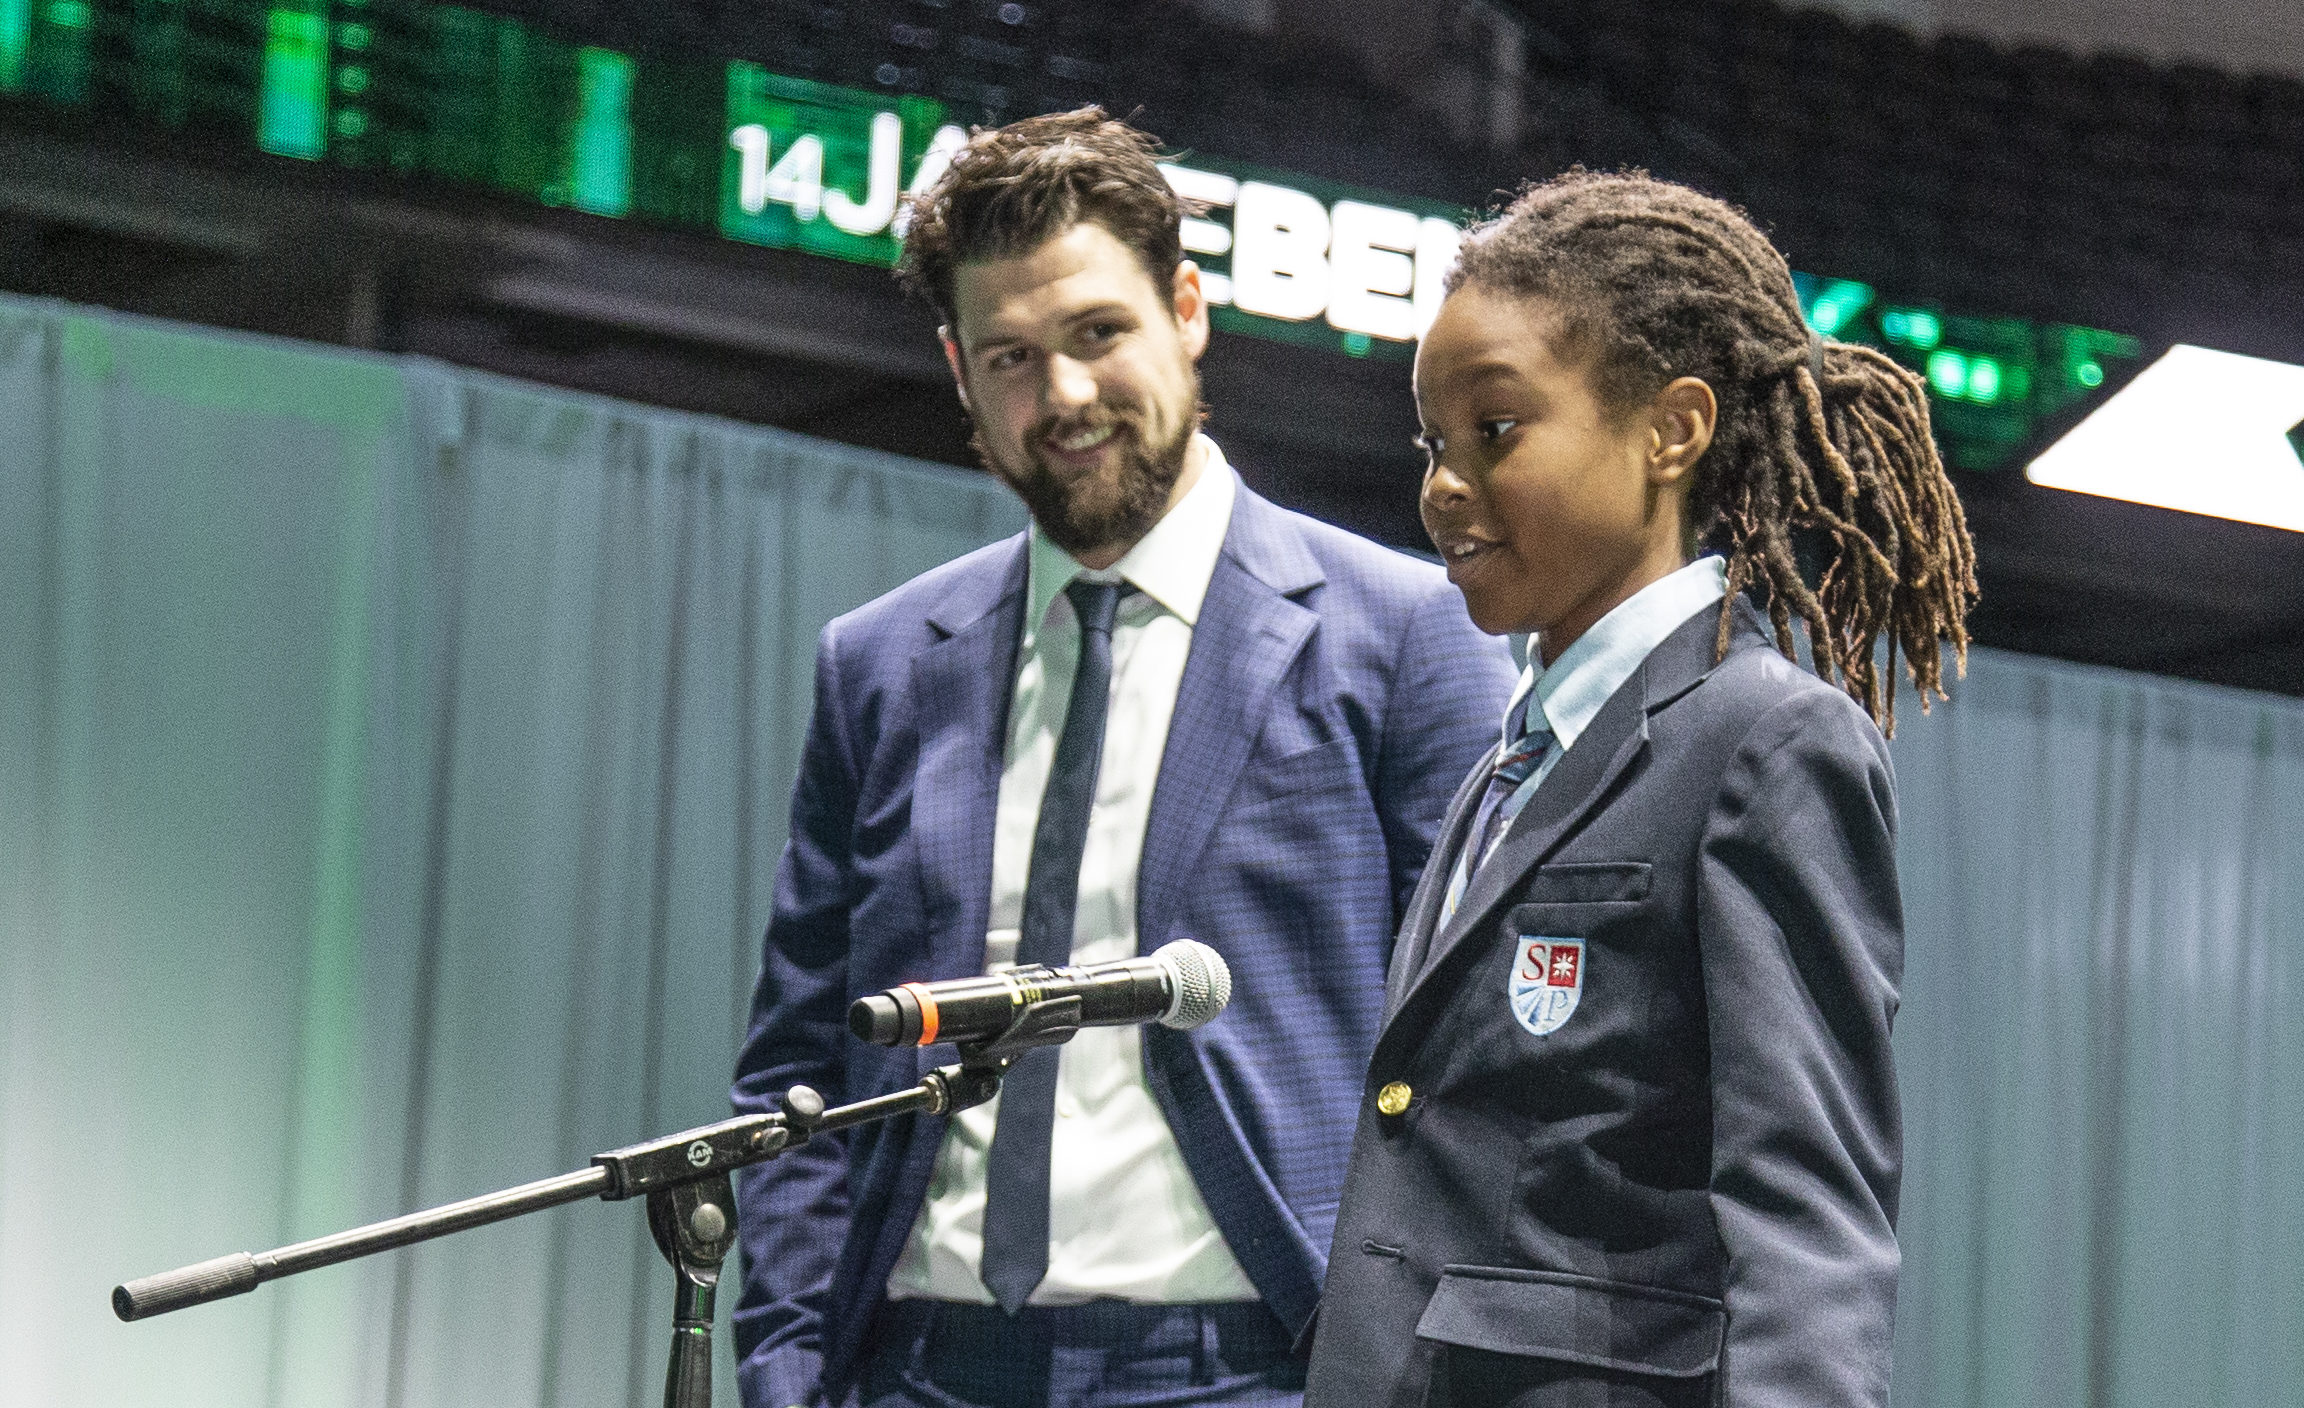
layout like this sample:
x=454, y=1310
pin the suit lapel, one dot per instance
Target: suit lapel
x=1249, y=634
x=962, y=682
x=961, y=686
x=1423, y=915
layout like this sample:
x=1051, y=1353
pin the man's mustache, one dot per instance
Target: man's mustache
x=1055, y=428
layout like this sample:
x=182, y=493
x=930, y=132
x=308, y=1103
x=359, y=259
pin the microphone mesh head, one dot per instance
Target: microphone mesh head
x=1203, y=983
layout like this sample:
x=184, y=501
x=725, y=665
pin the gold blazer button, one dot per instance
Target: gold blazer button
x=1393, y=1098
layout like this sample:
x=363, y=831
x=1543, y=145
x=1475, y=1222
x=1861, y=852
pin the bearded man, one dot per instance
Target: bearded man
x=1168, y=709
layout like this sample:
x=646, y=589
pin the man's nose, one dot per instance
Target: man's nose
x=1068, y=386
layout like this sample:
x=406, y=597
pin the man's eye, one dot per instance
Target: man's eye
x=1492, y=431
x=1007, y=357
x=1433, y=444
x=1101, y=332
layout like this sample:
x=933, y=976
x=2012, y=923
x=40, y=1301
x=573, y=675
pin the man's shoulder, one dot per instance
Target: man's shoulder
x=1389, y=615
x=951, y=594
x=1346, y=560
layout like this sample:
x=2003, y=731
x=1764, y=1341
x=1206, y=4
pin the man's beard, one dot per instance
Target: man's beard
x=1105, y=508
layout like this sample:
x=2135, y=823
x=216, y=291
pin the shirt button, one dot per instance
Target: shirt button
x=1393, y=1098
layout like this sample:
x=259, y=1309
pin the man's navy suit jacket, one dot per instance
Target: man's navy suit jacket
x=1334, y=694
x=1686, y=1192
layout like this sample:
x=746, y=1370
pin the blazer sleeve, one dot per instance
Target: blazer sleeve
x=792, y=1212
x=1450, y=683
x=1801, y=932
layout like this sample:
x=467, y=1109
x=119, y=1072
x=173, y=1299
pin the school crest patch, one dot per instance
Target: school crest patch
x=1547, y=982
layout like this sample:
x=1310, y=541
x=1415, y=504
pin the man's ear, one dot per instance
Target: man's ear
x=1191, y=302
x=1680, y=424
x=952, y=360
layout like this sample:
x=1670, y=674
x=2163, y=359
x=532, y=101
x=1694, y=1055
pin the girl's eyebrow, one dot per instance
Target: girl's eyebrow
x=1485, y=369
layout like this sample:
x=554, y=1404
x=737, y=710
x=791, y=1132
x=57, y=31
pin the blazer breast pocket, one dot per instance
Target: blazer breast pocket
x=1322, y=764
x=1585, y=882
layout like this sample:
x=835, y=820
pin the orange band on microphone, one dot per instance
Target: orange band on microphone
x=927, y=1001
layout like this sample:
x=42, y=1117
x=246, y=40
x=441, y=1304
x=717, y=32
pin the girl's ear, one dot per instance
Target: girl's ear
x=1680, y=424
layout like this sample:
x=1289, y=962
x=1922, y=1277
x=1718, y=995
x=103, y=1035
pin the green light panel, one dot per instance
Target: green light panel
x=602, y=176
x=1835, y=303
x=292, y=116
x=47, y=48
x=15, y=44
x=1991, y=381
x=411, y=86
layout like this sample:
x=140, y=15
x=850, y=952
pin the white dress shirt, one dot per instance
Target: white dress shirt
x=1125, y=1220
x=1570, y=691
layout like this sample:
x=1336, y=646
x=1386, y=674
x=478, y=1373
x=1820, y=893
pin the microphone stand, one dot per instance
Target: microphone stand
x=684, y=1177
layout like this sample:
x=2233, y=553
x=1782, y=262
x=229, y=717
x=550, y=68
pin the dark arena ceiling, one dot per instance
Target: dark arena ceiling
x=2026, y=227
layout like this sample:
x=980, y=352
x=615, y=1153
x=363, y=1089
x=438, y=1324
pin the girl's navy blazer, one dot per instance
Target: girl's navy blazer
x=1685, y=1192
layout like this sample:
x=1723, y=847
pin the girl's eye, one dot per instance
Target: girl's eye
x=1492, y=431
x=1432, y=443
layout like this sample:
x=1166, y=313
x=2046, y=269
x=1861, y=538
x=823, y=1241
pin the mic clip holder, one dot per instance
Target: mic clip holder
x=1047, y=1021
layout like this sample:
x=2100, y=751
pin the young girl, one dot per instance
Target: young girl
x=1630, y=1133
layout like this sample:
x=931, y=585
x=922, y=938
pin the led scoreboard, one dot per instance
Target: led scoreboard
x=815, y=167
x=485, y=101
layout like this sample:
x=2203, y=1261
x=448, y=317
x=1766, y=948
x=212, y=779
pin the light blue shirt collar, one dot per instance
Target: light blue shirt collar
x=1571, y=690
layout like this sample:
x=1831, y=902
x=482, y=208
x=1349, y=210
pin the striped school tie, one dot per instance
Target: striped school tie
x=1501, y=801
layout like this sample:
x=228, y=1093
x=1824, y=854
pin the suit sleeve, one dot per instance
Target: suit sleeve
x=1801, y=931
x=1450, y=683
x=793, y=1211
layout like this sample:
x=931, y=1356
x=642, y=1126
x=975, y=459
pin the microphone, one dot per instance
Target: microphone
x=1180, y=985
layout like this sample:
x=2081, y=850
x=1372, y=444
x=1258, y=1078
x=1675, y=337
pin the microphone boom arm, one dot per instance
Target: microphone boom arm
x=684, y=1177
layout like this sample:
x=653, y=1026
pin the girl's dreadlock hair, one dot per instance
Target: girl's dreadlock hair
x=1822, y=448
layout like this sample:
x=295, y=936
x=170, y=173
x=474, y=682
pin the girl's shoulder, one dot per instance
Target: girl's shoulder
x=1756, y=700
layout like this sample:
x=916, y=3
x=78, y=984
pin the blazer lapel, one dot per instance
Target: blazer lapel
x=1249, y=634
x=1577, y=783
x=961, y=687
x=1582, y=779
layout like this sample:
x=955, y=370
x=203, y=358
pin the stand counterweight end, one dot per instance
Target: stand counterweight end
x=187, y=1285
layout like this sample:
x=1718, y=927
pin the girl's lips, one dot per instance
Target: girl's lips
x=1465, y=557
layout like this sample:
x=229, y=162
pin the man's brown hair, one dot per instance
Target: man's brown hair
x=1013, y=188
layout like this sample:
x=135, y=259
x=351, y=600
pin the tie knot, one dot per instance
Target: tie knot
x=1094, y=603
x=1524, y=752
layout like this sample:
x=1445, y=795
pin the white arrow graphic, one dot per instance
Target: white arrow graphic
x=2198, y=431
